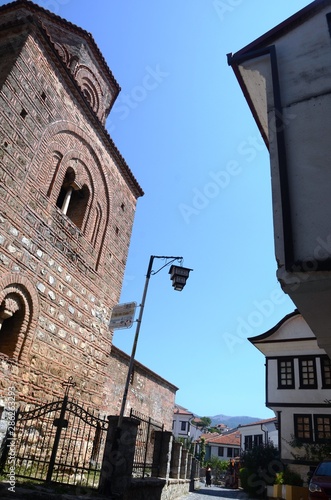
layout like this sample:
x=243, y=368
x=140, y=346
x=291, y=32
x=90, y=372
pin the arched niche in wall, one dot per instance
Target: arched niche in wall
x=91, y=88
x=19, y=309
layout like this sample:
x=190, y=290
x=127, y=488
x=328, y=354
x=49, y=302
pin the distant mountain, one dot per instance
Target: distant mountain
x=232, y=422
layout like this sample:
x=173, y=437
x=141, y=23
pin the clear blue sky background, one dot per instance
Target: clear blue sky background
x=181, y=122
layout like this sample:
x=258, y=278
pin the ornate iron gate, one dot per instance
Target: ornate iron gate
x=59, y=441
x=144, y=450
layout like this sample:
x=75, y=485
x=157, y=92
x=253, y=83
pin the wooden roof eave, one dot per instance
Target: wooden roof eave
x=256, y=48
x=265, y=336
x=234, y=61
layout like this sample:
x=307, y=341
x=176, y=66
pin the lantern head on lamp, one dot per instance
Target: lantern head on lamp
x=178, y=276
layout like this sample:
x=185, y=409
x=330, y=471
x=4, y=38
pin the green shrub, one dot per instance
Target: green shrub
x=260, y=465
x=251, y=483
x=288, y=476
x=243, y=476
x=260, y=456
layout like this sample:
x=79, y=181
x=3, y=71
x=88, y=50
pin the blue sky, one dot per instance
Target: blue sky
x=184, y=127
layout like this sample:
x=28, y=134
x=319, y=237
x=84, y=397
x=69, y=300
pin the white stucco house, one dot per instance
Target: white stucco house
x=182, y=426
x=258, y=433
x=285, y=76
x=222, y=446
x=298, y=384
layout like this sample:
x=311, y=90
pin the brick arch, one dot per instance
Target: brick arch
x=63, y=53
x=77, y=163
x=50, y=143
x=87, y=176
x=81, y=168
x=19, y=297
x=90, y=87
x=51, y=155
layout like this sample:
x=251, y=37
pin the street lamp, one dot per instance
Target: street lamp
x=178, y=276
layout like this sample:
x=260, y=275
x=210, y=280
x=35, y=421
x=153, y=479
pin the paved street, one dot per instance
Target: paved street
x=41, y=493
x=211, y=492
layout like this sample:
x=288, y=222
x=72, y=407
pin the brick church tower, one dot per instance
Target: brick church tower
x=67, y=204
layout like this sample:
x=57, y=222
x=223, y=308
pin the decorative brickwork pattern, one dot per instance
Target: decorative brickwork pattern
x=67, y=204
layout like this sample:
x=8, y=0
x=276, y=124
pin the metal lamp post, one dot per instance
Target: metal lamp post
x=116, y=469
x=179, y=275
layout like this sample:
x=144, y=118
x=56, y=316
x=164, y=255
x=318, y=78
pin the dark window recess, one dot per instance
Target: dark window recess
x=248, y=443
x=258, y=440
x=23, y=113
x=326, y=372
x=73, y=199
x=11, y=325
x=61, y=197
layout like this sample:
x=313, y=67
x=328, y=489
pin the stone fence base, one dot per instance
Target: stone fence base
x=158, y=489
x=175, y=467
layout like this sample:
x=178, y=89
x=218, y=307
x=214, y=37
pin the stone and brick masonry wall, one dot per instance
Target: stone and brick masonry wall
x=66, y=278
x=148, y=393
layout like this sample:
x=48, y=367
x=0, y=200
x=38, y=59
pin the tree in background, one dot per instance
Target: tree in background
x=219, y=468
x=203, y=423
x=202, y=452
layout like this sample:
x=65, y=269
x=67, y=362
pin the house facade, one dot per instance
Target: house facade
x=298, y=384
x=222, y=446
x=182, y=426
x=258, y=434
x=285, y=76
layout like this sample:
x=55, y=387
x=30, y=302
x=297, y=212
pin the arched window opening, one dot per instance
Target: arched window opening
x=66, y=189
x=12, y=314
x=73, y=199
x=78, y=205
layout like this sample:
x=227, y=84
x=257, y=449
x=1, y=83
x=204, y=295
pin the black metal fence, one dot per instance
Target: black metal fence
x=59, y=441
x=144, y=450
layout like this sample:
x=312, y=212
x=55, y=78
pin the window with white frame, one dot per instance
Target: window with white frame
x=303, y=429
x=307, y=372
x=322, y=428
x=285, y=373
